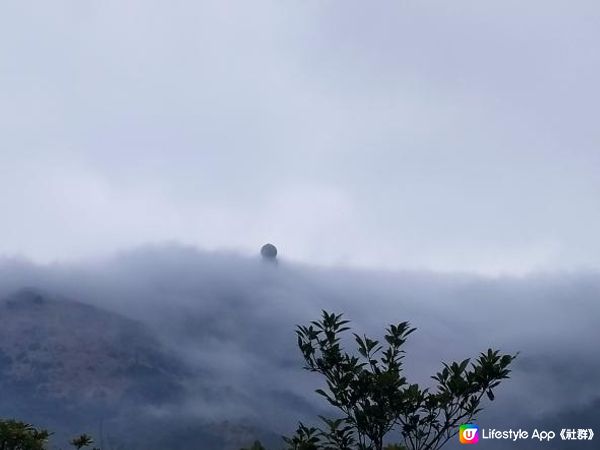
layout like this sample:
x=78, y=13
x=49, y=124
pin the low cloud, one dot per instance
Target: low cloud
x=233, y=317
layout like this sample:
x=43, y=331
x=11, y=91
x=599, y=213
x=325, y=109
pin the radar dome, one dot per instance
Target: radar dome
x=268, y=251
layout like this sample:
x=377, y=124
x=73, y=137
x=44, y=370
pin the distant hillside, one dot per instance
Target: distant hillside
x=68, y=350
x=75, y=367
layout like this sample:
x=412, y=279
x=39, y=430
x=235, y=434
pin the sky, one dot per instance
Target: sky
x=446, y=136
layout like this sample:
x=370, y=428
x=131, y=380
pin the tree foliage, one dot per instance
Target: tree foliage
x=374, y=398
x=81, y=441
x=16, y=435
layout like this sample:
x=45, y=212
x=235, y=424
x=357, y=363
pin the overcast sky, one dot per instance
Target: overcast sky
x=449, y=135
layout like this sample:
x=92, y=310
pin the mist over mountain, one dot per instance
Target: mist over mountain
x=186, y=343
x=430, y=162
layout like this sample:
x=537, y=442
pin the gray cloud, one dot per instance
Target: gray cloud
x=393, y=136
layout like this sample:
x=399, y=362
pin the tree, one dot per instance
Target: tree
x=15, y=435
x=373, y=397
x=81, y=441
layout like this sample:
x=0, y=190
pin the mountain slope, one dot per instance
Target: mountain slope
x=74, y=367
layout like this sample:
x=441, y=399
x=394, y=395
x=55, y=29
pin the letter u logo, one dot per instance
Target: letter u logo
x=468, y=434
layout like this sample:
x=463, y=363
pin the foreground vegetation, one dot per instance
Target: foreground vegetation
x=367, y=388
x=17, y=435
x=374, y=399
